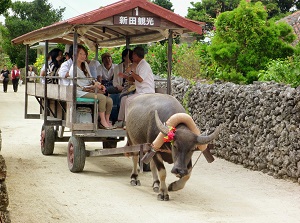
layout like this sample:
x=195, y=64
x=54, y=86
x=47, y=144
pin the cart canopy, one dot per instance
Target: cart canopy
x=126, y=21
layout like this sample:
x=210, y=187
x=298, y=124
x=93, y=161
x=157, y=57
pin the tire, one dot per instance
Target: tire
x=110, y=144
x=76, y=154
x=47, y=140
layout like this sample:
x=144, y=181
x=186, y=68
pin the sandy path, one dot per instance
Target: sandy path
x=42, y=189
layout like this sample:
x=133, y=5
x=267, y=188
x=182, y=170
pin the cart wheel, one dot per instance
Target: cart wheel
x=110, y=144
x=47, y=140
x=76, y=154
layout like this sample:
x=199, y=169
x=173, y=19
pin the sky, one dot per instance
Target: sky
x=77, y=7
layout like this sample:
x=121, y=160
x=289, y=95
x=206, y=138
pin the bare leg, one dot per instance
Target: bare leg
x=103, y=119
x=107, y=119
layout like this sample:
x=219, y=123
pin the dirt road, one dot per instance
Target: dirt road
x=42, y=189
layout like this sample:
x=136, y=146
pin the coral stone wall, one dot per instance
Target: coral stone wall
x=261, y=123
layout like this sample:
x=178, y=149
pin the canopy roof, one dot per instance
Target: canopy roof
x=138, y=21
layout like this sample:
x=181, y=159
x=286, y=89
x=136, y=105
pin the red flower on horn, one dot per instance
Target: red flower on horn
x=170, y=135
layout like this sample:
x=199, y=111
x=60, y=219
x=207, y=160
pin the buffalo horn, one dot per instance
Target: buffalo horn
x=162, y=128
x=206, y=139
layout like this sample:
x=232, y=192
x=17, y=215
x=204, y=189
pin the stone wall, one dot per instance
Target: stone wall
x=4, y=214
x=261, y=123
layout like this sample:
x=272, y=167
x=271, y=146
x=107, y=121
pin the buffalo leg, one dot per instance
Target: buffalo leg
x=134, y=174
x=179, y=184
x=155, y=185
x=163, y=190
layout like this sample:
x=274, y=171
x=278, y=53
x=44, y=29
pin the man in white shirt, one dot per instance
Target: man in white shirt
x=142, y=75
x=93, y=65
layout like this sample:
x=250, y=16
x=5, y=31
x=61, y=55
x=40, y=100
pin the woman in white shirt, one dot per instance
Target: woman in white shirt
x=86, y=88
x=31, y=74
x=118, y=81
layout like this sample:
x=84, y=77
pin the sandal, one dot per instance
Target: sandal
x=100, y=126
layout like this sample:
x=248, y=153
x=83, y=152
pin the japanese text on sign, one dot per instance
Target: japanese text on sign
x=136, y=21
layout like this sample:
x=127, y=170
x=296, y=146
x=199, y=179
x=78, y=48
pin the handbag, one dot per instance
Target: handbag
x=1, y=77
x=128, y=89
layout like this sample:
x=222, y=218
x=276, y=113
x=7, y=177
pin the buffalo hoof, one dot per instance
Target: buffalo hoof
x=156, y=189
x=135, y=182
x=162, y=197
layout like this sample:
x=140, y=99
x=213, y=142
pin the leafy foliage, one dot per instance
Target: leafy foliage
x=245, y=41
x=5, y=4
x=157, y=58
x=4, y=59
x=26, y=17
x=164, y=3
x=208, y=10
x=40, y=60
x=285, y=71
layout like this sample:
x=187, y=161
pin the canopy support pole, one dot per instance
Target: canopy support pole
x=170, y=43
x=96, y=52
x=75, y=49
x=26, y=72
x=45, y=88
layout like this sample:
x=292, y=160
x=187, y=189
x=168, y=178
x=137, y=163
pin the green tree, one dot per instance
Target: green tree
x=245, y=41
x=26, y=17
x=165, y=4
x=208, y=10
x=4, y=59
x=5, y=4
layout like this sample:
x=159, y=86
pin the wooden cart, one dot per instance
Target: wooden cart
x=56, y=109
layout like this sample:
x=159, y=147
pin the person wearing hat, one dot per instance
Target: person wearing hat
x=105, y=73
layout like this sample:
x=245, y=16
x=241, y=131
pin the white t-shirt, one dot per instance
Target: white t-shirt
x=81, y=82
x=64, y=69
x=117, y=80
x=42, y=80
x=104, y=73
x=93, y=65
x=147, y=86
x=31, y=74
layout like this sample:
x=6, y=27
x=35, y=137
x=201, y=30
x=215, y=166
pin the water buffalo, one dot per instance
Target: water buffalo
x=174, y=142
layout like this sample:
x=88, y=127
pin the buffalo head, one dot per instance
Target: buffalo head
x=186, y=139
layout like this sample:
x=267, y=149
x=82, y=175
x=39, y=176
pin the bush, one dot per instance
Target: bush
x=157, y=58
x=282, y=71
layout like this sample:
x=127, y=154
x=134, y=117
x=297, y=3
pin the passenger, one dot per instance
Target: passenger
x=86, y=88
x=67, y=56
x=142, y=75
x=65, y=68
x=43, y=72
x=118, y=82
x=15, y=77
x=31, y=74
x=56, y=56
x=54, y=59
x=105, y=73
x=93, y=65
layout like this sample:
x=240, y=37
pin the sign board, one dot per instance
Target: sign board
x=136, y=19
